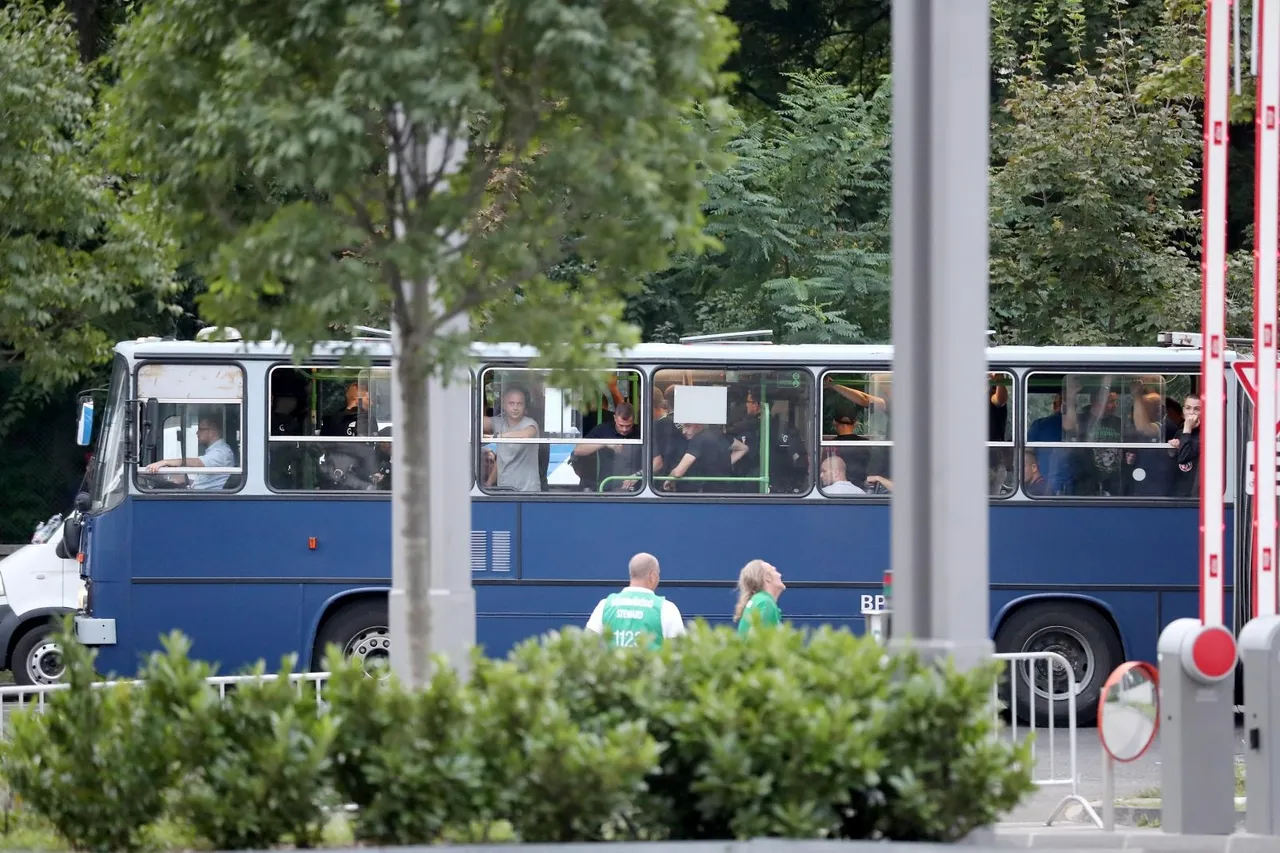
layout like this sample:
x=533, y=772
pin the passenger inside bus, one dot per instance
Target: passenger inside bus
x=788, y=460
x=1130, y=425
x=866, y=466
x=516, y=467
x=835, y=479
x=602, y=467
x=668, y=441
x=708, y=458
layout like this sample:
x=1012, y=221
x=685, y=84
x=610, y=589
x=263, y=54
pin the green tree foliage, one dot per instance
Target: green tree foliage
x=848, y=38
x=561, y=128
x=802, y=219
x=73, y=259
x=1093, y=225
x=267, y=132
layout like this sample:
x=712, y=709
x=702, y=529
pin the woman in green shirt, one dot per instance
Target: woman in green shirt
x=759, y=585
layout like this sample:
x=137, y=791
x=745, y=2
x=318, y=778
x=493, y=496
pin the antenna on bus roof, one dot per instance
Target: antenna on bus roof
x=759, y=336
x=1194, y=340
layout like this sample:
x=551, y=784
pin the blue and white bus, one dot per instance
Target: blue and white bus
x=281, y=542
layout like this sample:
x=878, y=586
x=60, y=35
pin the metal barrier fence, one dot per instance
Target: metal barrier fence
x=1024, y=671
x=16, y=698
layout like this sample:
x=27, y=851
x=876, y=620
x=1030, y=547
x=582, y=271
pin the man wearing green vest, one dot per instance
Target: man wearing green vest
x=637, y=616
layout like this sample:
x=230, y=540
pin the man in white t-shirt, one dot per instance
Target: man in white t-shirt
x=835, y=478
x=217, y=454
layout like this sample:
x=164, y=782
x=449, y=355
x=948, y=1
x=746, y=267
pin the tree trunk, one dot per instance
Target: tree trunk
x=88, y=19
x=412, y=491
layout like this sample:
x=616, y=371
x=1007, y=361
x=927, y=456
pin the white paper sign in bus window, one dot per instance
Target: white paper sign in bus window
x=702, y=404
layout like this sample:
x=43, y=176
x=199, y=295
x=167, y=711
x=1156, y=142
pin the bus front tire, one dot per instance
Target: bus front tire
x=1072, y=629
x=37, y=659
x=360, y=630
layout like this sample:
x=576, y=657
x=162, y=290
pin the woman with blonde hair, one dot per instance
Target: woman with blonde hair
x=759, y=585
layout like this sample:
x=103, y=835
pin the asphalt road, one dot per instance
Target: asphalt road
x=1135, y=778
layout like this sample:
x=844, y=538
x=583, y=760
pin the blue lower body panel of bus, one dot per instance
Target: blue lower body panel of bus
x=252, y=579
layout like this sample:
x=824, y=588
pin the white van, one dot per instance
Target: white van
x=36, y=587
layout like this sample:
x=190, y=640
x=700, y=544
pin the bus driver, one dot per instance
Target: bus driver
x=217, y=454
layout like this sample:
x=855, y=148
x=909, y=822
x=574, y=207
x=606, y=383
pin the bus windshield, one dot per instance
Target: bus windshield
x=108, y=479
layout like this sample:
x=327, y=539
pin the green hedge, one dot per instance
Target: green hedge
x=783, y=733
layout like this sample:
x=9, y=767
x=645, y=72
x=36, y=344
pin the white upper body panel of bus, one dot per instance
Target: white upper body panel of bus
x=742, y=353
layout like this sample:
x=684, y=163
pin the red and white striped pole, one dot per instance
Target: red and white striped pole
x=1213, y=318
x=1267, y=183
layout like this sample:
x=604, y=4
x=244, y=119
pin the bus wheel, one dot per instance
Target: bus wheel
x=361, y=631
x=37, y=659
x=1078, y=633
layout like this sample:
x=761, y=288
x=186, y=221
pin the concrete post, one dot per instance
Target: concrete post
x=941, y=82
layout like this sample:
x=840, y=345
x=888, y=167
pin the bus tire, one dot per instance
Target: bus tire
x=1074, y=630
x=360, y=630
x=37, y=659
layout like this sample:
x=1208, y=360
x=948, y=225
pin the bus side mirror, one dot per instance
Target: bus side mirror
x=83, y=502
x=70, y=544
x=84, y=422
x=150, y=427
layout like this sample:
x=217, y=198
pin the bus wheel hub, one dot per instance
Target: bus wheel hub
x=372, y=647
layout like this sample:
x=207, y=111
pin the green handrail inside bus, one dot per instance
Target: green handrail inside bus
x=625, y=477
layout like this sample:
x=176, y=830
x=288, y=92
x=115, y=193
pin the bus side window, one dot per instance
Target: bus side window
x=731, y=431
x=330, y=429
x=1002, y=465
x=856, y=434
x=198, y=428
x=1096, y=434
x=537, y=437
x=857, y=445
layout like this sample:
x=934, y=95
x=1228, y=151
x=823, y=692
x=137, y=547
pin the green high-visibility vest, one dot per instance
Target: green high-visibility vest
x=634, y=617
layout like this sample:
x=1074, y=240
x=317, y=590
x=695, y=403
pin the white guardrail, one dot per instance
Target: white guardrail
x=16, y=698
x=1031, y=673
x=1034, y=673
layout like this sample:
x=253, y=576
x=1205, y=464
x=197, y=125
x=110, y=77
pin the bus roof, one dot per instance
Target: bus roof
x=663, y=353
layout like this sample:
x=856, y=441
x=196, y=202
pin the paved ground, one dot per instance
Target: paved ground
x=1133, y=779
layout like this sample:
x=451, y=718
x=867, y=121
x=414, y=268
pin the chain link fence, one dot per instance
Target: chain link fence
x=41, y=467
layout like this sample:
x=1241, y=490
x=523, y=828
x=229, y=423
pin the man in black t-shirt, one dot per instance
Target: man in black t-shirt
x=788, y=466
x=596, y=463
x=709, y=453
x=668, y=443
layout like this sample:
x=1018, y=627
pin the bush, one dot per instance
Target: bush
x=98, y=762
x=260, y=774
x=454, y=762
x=559, y=781
x=403, y=758
x=783, y=733
x=794, y=734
